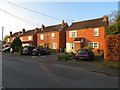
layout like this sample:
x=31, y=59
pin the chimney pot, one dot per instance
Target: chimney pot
x=43, y=27
x=23, y=30
x=36, y=30
x=10, y=33
x=63, y=23
x=105, y=18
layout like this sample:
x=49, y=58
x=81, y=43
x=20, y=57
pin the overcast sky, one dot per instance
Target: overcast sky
x=14, y=18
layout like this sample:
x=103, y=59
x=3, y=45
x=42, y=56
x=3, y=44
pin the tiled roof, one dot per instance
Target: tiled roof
x=51, y=28
x=29, y=32
x=87, y=24
x=15, y=34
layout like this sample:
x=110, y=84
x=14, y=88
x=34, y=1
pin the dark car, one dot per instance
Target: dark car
x=84, y=54
x=40, y=51
x=27, y=50
x=6, y=49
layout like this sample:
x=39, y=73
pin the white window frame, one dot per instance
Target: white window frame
x=71, y=35
x=29, y=37
x=53, y=35
x=8, y=39
x=93, y=44
x=96, y=31
x=54, y=45
x=42, y=37
x=71, y=46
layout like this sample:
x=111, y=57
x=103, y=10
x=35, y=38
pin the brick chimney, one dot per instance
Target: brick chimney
x=105, y=18
x=63, y=23
x=36, y=30
x=42, y=27
x=19, y=33
x=23, y=31
x=10, y=33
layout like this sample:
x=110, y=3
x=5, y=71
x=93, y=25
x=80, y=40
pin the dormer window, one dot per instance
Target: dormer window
x=96, y=32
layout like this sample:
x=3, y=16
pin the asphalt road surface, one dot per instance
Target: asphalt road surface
x=27, y=72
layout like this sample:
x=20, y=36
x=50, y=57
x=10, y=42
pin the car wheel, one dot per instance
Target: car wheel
x=33, y=54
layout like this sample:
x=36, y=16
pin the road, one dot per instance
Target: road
x=28, y=72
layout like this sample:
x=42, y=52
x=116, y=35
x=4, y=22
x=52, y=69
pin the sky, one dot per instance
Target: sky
x=14, y=18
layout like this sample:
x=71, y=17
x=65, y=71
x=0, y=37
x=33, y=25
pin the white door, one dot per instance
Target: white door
x=69, y=47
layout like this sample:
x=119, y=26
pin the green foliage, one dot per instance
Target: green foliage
x=5, y=38
x=115, y=28
x=16, y=45
x=66, y=57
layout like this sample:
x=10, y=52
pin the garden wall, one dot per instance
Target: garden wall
x=112, y=48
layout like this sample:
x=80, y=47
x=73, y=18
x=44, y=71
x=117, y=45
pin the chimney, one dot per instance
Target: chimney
x=36, y=30
x=23, y=30
x=105, y=18
x=10, y=33
x=43, y=27
x=63, y=23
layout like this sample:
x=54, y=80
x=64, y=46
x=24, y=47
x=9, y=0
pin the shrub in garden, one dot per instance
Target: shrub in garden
x=16, y=45
x=65, y=57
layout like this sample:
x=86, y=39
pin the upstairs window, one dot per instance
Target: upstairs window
x=94, y=44
x=41, y=36
x=96, y=32
x=53, y=35
x=30, y=38
x=72, y=33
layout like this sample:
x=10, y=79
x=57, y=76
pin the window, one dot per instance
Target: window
x=73, y=34
x=96, y=32
x=41, y=36
x=53, y=35
x=8, y=39
x=71, y=45
x=30, y=38
x=54, y=46
x=21, y=38
x=94, y=44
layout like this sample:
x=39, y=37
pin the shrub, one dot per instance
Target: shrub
x=65, y=56
x=112, y=48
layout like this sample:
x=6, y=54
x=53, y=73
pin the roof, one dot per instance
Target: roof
x=29, y=32
x=87, y=24
x=78, y=39
x=15, y=34
x=51, y=28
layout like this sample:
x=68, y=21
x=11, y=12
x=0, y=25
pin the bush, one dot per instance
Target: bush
x=66, y=57
x=112, y=48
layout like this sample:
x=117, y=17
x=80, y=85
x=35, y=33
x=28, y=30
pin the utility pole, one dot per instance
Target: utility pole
x=2, y=36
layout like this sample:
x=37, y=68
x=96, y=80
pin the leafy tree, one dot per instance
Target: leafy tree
x=16, y=45
x=5, y=38
x=114, y=28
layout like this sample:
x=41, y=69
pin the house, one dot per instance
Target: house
x=53, y=37
x=29, y=38
x=11, y=38
x=88, y=33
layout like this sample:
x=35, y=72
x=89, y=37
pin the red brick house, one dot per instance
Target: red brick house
x=29, y=38
x=89, y=33
x=11, y=38
x=53, y=37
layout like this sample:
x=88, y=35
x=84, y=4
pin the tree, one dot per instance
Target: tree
x=16, y=45
x=5, y=38
x=114, y=28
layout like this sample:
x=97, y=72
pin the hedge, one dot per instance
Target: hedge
x=112, y=48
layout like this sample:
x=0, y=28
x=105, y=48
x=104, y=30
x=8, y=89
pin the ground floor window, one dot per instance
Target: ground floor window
x=71, y=45
x=54, y=46
x=94, y=44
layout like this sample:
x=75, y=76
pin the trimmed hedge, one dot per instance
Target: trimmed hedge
x=112, y=48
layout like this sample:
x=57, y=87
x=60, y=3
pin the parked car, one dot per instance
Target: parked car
x=6, y=49
x=27, y=50
x=84, y=54
x=41, y=51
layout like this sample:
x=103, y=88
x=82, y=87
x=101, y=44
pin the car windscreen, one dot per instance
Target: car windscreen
x=82, y=51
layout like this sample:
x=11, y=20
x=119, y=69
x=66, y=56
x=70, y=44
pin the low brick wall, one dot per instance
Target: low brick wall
x=112, y=48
